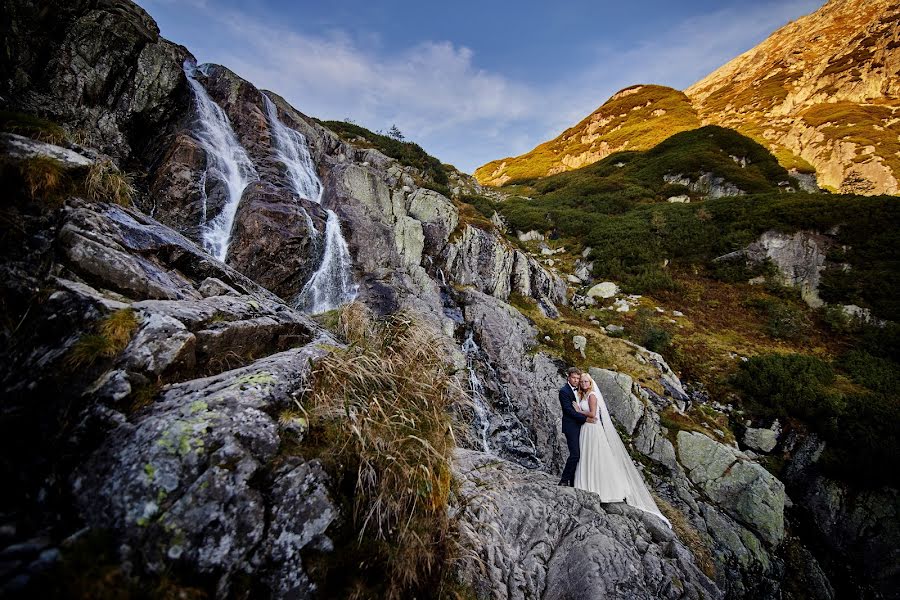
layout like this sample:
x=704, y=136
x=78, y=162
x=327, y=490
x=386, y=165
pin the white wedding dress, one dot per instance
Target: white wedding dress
x=605, y=467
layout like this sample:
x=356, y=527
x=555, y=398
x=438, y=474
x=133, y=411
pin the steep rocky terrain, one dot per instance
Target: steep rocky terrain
x=154, y=433
x=823, y=88
x=821, y=93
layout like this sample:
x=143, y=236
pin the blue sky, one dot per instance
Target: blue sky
x=469, y=81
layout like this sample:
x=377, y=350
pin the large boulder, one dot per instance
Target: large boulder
x=274, y=240
x=533, y=539
x=740, y=486
x=190, y=481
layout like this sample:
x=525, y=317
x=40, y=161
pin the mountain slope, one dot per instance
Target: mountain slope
x=825, y=88
x=636, y=118
x=823, y=93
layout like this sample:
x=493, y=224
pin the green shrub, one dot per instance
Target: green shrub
x=407, y=153
x=788, y=385
x=784, y=320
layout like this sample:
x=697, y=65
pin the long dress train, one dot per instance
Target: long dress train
x=605, y=467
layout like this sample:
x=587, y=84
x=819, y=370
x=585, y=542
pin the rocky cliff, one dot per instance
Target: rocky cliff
x=163, y=379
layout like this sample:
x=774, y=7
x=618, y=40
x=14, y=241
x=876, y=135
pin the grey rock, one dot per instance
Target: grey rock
x=616, y=388
x=534, y=539
x=18, y=147
x=743, y=488
x=761, y=439
x=580, y=344
x=606, y=289
x=180, y=485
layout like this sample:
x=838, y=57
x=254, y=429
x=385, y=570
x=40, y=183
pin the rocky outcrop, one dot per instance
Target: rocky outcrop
x=533, y=539
x=189, y=482
x=482, y=259
x=799, y=257
x=707, y=185
x=858, y=527
x=99, y=67
x=745, y=489
x=734, y=505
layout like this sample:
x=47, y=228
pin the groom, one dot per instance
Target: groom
x=571, y=425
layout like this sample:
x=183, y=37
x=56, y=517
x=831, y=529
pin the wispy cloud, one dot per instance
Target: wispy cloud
x=678, y=57
x=437, y=94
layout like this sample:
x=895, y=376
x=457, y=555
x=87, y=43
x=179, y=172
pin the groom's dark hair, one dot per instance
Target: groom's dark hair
x=573, y=371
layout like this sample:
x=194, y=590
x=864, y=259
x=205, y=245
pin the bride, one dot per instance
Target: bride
x=605, y=467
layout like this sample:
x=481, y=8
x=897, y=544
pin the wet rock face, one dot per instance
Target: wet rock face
x=272, y=243
x=535, y=540
x=522, y=389
x=185, y=483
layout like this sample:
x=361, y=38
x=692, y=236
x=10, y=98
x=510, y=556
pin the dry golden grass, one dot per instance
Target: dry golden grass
x=689, y=536
x=113, y=334
x=105, y=183
x=382, y=405
x=44, y=177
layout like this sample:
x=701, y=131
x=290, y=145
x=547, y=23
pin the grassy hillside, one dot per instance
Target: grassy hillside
x=407, y=153
x=636, y=118
x=832, y=375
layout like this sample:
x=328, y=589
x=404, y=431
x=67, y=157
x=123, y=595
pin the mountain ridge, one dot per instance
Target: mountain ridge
x=821, y=92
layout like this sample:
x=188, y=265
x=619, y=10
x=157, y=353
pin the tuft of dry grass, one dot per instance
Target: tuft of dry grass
x=105, y=183
x=689, y=536
x=44, y=177
x=33, y=127
x=382, y=405
x=112, y=335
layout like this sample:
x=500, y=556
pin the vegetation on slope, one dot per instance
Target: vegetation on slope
x=380, y=417
x=831, y=374
x=407, y=153
x=636, y=118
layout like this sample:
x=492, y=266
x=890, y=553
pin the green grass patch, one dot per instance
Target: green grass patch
x=33, y=127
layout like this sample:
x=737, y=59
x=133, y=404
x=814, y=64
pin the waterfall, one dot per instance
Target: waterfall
x=332, y=283
x=476, y=387
x=226, y=162
x=290, y=149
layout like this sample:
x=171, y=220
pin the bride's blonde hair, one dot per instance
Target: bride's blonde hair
x=581, y=392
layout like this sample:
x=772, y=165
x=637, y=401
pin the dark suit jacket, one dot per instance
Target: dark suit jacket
x=571, y=419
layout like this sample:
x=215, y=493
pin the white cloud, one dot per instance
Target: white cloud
x=439, y=97
x=679, y=56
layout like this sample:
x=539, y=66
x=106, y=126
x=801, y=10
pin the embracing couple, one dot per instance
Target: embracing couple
x=598, y=461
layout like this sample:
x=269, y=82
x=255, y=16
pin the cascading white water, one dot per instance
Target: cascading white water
x=332, y=283
x=291, y=149
x=226, y=162
x=476, y=387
